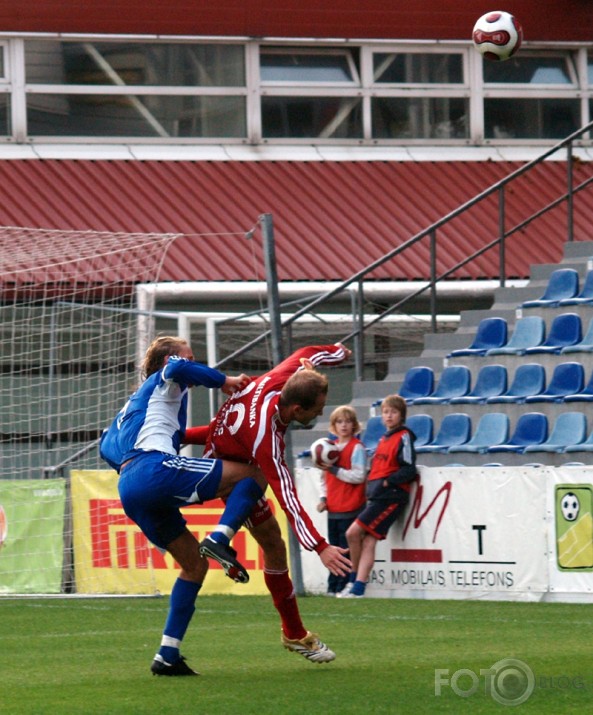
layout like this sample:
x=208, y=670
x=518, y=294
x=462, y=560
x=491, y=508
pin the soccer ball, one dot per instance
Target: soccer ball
x=497, y=35
x=324, y=453
x=570, y=506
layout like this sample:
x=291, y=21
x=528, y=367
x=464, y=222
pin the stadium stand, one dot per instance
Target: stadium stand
x=529, y=332
x=562, y=284
x=584, y=297
x=531, y=428
x=490, y=382
x=422, y=426
x=455, y=381
x=565, y=330
x=493, y=428
x=568, y=378
x=455, y=428
x=491, y=333
x=569, y=429
x=529, y=379
x=417, y=382
x=584, y=346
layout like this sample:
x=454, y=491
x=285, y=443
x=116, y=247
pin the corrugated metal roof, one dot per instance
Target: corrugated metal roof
x=331, y=219
x=569, y=20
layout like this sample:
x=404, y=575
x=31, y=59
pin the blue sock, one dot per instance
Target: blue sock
x=352, y=577
x=238, y=506
x=358, y=588
x=181, y=609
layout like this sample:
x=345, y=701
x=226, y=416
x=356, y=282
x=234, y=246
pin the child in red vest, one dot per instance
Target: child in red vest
x=342, y=486
x=393, y=468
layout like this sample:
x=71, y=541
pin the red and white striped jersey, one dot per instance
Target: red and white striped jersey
x=248, y=428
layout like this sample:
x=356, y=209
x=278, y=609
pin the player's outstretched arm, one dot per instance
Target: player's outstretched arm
x=335, y=560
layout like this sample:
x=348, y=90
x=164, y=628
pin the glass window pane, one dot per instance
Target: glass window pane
x=5, y=115
x=529, y=70
x=530, y=118
x=109, y=63
x=416, y=68
x=136, y=116
x=293, y=66
x=420, y=118
x=312, y=117
x=590, y=67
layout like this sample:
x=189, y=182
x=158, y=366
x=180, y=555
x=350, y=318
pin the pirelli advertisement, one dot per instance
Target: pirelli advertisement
x=111, y=555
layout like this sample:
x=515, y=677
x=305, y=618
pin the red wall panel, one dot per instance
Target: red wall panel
x=429, y=19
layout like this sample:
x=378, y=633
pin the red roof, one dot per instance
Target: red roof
x=569, y=20
x=331, y=219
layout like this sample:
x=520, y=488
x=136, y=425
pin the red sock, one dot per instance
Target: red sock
x=285, y=602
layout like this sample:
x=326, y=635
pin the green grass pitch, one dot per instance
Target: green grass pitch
x=92, y=656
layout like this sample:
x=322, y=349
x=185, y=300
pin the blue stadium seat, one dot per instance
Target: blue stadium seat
x=491, y=381
x=565, y=330
x=531, y=428
x=584, y=395
x=491, y=333
x=563, y=283
x=585, y=345
x=455, y=381
x=455, y=428
x=529, y=379
x=529, y=332
x=493, y=428
x=417, y=382
x=568, y=378
x=422, y=427
x=372, y=433
x=585, y=296
x=570, y=428
x=586, y=446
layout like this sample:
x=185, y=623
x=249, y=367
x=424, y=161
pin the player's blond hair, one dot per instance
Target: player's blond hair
x=345, y=412
x=158, y=350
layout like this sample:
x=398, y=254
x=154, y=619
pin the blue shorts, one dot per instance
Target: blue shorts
x=153, y=487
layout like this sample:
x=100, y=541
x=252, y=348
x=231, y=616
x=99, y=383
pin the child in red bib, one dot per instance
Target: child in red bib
x=342, y=486
x=393, y=468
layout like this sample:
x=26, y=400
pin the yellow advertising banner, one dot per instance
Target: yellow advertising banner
x=112, y=555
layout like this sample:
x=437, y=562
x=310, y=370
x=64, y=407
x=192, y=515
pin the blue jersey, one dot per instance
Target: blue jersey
x=155, y=416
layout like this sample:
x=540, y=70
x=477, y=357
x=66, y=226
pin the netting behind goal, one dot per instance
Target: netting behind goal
x=70, y=332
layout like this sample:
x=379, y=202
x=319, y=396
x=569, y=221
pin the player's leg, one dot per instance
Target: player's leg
x=265, y=529
x=241, y=486
x=354, y=536
x=185, y=550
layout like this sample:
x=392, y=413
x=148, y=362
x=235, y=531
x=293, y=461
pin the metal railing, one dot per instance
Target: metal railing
x=500, y=189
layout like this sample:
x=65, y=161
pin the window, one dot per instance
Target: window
x=305, y=95
x=157, y=90
x=534, y=69
x=302, y=66
x=417, y=68
x=334, y=93
x=531, y=96
x=531, y=118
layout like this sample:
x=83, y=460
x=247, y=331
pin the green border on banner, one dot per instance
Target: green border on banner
x=32, y=552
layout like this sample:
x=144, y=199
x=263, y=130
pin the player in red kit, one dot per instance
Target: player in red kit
x=250, y=427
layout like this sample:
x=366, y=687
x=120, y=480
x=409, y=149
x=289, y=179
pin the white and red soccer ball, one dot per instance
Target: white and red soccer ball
x=324, y=453
x=497, y=35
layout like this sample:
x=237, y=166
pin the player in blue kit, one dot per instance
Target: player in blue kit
x=142, y=445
